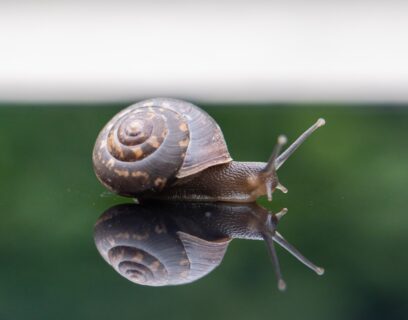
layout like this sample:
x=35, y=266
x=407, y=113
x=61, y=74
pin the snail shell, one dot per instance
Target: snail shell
x=148, y=247
x=153, y=142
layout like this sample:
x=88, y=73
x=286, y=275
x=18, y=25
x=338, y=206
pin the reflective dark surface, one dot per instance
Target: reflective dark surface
x=170, y=243
x=347, y=211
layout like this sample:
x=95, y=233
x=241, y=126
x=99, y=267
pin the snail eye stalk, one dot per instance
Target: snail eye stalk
x=270, y=236
x=294, y=252
x=271, y=165
x=268, y=174
x=275, y=262
x=280, y=160
x=267, y=234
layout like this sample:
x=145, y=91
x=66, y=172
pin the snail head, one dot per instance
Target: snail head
x=268, y=177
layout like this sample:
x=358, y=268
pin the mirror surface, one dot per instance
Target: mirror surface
x=347, y=211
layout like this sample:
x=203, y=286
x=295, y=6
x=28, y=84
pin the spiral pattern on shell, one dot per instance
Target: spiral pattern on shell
x=146, y=246
x=137, y=265
x=149, y=144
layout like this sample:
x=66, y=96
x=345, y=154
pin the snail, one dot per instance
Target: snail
x=169, y=149
x=172, y=243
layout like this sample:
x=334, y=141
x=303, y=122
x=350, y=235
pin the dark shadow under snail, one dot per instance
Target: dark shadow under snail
x=172, y=243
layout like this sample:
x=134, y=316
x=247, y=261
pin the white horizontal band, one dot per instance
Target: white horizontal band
x=204, y=50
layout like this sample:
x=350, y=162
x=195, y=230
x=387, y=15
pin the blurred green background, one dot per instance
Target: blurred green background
x=347, y=205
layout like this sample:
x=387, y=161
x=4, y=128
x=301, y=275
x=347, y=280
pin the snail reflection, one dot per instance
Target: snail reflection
x=172, y=243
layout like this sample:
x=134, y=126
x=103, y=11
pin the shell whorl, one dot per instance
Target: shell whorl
x=148, y=248
x=149, y=144
x=138, y=265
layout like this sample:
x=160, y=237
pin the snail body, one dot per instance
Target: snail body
x=169, y=149
x=173, y=243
